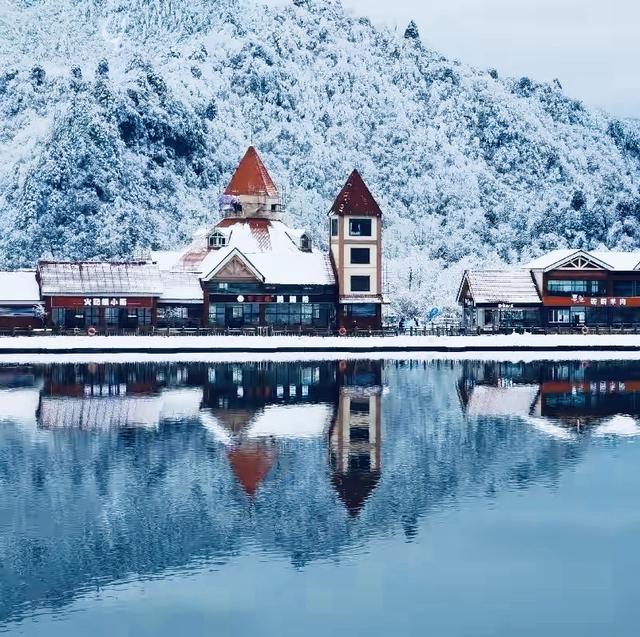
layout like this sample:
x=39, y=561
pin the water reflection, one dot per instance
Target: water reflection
x=118, y=471
x=599, y=397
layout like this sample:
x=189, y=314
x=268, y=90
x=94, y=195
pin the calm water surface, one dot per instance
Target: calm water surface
x=320, y=498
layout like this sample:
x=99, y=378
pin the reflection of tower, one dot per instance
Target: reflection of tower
x=355, y=437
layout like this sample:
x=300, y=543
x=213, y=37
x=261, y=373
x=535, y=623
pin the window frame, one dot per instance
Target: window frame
x=362, y=221
x=361, y=277
x=360, y=250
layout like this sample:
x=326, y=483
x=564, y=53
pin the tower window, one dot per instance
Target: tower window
x=217, y=240
x=360, y=256
x=360, y=227
x=334, y=227
x=360, y=283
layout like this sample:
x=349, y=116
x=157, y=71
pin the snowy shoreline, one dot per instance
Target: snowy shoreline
x=513, y=346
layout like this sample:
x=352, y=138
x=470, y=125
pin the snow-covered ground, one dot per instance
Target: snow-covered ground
x=512, y=346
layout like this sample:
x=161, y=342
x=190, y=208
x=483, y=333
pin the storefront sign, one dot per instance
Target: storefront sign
x=505, y=306
x=591, y=301
x=85, y=302
x=105, y=302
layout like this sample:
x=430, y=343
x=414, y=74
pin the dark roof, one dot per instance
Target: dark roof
x=354, y=488
x=251, y=177
x=356, y=199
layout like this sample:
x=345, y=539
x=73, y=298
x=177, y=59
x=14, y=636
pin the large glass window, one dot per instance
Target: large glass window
x=565, y=287
x=112, y=316
x=360, y=227
x=626, y=288
x=361, y=309
x=92, y=316
x=296, y=314
x=361, y=256
x=360, y=283
x=58, y=315
x=559, y=316
x=216, y=314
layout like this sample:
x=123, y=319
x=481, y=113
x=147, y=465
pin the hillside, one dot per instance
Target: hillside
x=123, y=120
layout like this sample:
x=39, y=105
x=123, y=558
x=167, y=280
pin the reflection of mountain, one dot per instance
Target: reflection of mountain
x=300, y=459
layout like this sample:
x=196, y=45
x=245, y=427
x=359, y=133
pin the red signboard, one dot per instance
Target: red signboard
x=578, y=300
x=82, y=302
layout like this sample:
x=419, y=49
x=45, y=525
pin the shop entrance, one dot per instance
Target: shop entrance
x=234, y=316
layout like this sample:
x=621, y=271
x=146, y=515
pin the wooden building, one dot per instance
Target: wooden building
x=355, y=228
x=19, y=298
x=249, y=270
x=256, y=271
x=122, y=295
x=576, y=289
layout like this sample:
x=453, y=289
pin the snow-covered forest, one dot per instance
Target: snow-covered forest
x=122, y=121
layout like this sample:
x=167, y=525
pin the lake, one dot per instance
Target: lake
x=358, y=497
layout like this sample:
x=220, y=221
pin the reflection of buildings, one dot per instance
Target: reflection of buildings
x=571, y=392
x=249, y=407
x=355, y=437
x=113, y=396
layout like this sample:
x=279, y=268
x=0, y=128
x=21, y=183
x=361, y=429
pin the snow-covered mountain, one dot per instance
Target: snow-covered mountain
x=122, y=120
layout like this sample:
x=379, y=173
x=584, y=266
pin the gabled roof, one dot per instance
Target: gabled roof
x=127, y=278
x=566, y=258
x=19, y=287
x=500, y=286
x=355, y=199
x=227, y=257
x=596, y=259
x=251, y=177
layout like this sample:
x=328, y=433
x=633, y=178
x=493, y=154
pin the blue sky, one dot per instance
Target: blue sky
x=591, y=46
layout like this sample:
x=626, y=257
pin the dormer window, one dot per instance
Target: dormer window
x=217, y=240
x=305, y=243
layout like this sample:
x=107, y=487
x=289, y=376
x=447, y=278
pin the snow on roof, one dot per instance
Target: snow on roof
x=99, y=412
x=487, y=400
x=292, y=421
x=92, y=277
x=19, y=287
x=610, y=259
x=502, y=286
x=356, y=199
x=359, y=299
x=181, y=287
x=251, y=177
x=270, y=248
x=544, y=261
x=166, y=259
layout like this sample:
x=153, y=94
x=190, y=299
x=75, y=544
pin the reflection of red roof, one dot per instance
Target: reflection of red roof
x=250, y=465
x=251, y=177
x=356, y=199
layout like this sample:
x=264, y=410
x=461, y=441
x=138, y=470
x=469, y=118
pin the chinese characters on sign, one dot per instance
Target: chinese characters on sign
x=105, y=302
x=598, y=301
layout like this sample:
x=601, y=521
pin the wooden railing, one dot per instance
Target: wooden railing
x=440, y=330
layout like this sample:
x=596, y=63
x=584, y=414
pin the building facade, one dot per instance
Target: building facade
x=564, y=288
x=355, y=228
x=248, y=270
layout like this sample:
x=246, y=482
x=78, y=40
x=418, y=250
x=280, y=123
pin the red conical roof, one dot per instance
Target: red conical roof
x=251, y=177
x=356, y=199
x=251, y=464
